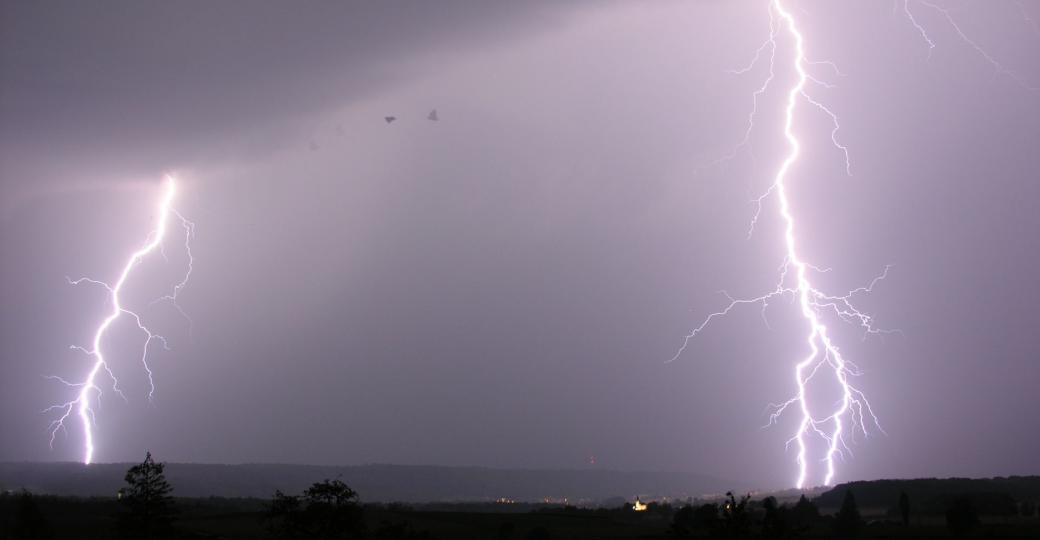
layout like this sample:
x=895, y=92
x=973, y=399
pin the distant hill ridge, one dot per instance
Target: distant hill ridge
x=990, y=495
x=375, y=483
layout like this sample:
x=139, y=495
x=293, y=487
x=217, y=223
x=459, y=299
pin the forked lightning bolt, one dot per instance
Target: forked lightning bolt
x=947, y=15
x=89, y=392
x=853, y=410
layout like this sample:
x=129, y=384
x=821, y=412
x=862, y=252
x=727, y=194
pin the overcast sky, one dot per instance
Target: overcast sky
x=504, y=287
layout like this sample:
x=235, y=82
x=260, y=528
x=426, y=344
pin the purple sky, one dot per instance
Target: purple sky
x=503, y=287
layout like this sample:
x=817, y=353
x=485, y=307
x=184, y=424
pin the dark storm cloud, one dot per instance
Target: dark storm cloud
x=503, y=286
x=170, y=83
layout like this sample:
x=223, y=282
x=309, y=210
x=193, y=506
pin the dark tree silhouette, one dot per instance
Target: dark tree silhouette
x=961, y=517
x=777, y=520
x=328, y=510
x=689, y=521
x=904, y=508
x=848, y=522
x=736, y=519
x=284, y=517
x=1027, y=508
x=805, y=513
x=682, y=522
x=706, y=517
x=148, y=509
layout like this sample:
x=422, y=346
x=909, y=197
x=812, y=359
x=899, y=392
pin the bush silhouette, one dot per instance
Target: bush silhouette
x=328, y=510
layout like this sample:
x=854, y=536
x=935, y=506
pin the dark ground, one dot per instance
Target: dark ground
x=92, y=518
x=1005, y=508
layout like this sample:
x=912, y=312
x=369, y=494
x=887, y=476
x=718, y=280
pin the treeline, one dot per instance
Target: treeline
x=960, y=513
x=387, y=483
x=145, y=509
x=988, y=496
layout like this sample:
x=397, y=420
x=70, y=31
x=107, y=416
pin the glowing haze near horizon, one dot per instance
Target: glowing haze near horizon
x=502, y=287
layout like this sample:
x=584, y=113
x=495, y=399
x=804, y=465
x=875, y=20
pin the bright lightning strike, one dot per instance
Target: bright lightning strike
x=89, y=392
x=824, y=359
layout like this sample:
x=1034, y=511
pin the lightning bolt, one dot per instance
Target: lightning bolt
x=89, y=392
x=998, y=68
x=853, y=411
